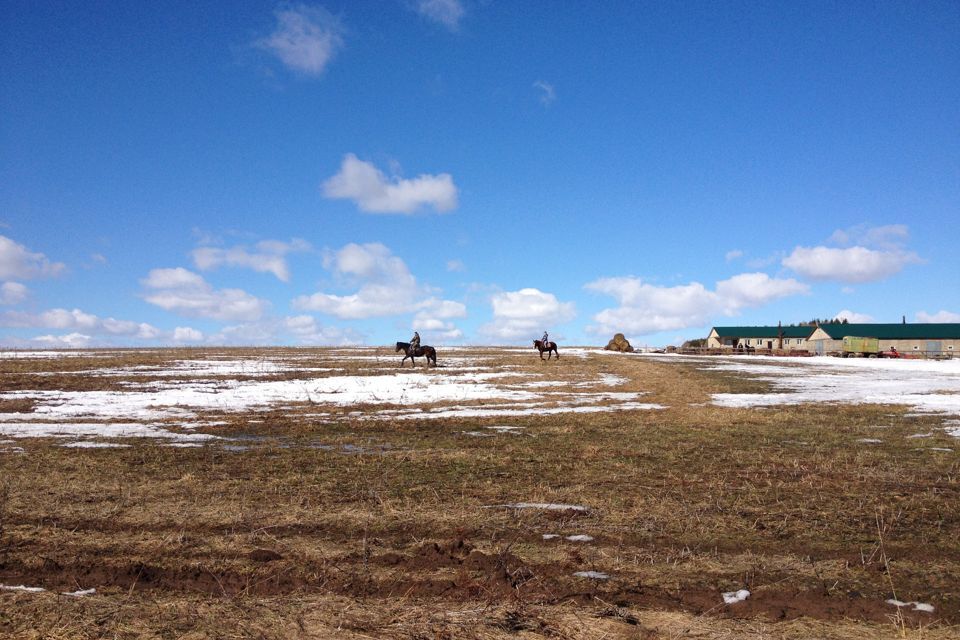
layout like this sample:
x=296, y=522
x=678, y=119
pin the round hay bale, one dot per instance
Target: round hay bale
x=619, y=343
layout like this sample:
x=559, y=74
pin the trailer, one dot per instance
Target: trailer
x=858, y=347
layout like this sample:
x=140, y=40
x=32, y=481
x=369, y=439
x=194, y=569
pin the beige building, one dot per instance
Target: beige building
x=760, y=338
x=932, y=340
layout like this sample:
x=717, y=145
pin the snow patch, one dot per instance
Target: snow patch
x=20, y=587
x=593, y=575
x=90, y=444
x=917, y=606
x=548, y=506
x=733, y=597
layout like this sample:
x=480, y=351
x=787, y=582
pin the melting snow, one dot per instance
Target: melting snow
x=917, y=606
x=924, y=385
x=20, y=587
x=594, y=575
x=733, y=597
x=88, y=444
x=148, y=410
x=97, y=429
x=549, y=506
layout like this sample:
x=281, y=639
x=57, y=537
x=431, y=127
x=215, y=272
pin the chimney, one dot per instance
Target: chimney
x=904, y=319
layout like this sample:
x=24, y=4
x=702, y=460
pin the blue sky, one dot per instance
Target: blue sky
x=482, y=171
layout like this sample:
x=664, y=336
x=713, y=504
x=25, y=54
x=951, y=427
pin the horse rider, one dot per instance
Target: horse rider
x=546, y=339
x=415, y=342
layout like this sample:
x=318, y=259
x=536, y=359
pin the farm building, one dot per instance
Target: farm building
x=749, y=338
x=929, y=339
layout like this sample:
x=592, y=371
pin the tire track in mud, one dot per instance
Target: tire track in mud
x=455, y=571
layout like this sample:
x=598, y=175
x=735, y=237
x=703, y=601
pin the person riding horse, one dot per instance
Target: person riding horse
x=415, y=343
x=546, y=345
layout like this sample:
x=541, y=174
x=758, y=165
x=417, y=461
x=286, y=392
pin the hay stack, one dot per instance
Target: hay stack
x=619, y=343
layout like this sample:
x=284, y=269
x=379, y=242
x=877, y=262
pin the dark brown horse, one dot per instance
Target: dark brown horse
x=424, y=351
x=549, y=347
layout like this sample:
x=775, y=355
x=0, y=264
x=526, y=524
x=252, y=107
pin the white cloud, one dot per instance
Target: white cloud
x=865, y=254
x=386, y=285
x=303, y=329
x=853, y=317
x=852, y=265
x=187, y=334
x=646, y=308
x=12, y=293
x=130, y=328
x=548, y=92
x=757, y=289
x=432, y=321
x=733, y=255
x=446, y=12
x=888, y=237
x=77, y=320
x=456, y=266
x=269, y=257
x=306, y=38
x=939, y=316
x=373, y=192
x=178, y=278
x=385, y=288
x=18, y=262
x=68, y=341
x=526, y=314
x=187, y=293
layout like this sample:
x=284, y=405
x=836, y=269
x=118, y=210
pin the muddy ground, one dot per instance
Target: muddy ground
x=314, y=521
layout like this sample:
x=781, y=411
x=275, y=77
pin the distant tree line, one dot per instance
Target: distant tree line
x=821, y=321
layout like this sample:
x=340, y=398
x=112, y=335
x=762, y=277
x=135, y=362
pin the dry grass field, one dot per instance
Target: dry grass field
x=402, y=514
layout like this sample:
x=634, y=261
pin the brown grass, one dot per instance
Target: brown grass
x=376, y=529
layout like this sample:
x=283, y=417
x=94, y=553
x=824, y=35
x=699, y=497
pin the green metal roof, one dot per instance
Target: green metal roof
x=919, y=331
x=764, y=332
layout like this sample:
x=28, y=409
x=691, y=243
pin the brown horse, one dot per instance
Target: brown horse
x=549, y=347
x=425, y=351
